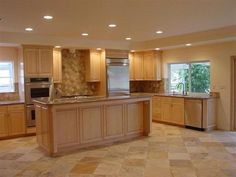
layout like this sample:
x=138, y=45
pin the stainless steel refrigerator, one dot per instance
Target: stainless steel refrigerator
x=117, y=76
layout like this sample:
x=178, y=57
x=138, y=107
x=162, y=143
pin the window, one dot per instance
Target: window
x=6, y=77
x=195, y=76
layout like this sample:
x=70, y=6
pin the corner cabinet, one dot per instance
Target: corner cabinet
x=38, y=61
x=57, y=66
x=93, y=65
x=12, y=120
x=145, y=65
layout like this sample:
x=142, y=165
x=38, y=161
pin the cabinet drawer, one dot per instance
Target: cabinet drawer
x=166, y=100
x=16, y=107
x=156, y=102
x=3, y=108
x=178, y=100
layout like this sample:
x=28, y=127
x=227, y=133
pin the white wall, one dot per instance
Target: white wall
x=219, y=56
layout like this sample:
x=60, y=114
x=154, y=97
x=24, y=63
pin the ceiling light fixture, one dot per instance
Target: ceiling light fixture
x=99, y=48
x=48, y=17
x=188, y=44
x=28, y=29
x=157, y=49
x=112, y=25
x=57, y=46
x=159, y=32
x=128, y=38
x=84, y=34
x=132, y=51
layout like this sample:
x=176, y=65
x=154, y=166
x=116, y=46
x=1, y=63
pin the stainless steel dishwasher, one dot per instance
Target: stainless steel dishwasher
x=193, y=113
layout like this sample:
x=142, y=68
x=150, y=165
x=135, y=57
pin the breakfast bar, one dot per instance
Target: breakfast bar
x=63, y=125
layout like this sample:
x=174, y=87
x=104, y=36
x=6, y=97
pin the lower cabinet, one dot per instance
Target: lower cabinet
x=168, y=109
x=12, y=120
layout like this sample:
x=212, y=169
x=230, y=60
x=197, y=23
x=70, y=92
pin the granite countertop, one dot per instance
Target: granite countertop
x=190, y=96
x=87, y=99
x=12, y=102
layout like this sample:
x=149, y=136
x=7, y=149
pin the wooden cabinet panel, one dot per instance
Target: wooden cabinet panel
x=66, y=127
x=57, y=66
x=3, y=122
x=177, y=113
x=138, y=66
x=114, y=121
x=131, y=66
x=156, y=108
x=91, y=124
x=166, y=111
x=45, y=127
x=135, y=118
x=31, y=58
x=38, y=124
x=149, y=66
x=93, y=66
x=17, y=123
x=45, y=62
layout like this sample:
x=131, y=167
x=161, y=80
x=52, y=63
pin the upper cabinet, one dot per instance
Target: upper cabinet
x=57, y=66
x=38, y=61
x=93, y=65
x=145, y=65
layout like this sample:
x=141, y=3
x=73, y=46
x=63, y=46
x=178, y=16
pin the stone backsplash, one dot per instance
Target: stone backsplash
x=11, y=96
x=74, y=75
x=146, y=86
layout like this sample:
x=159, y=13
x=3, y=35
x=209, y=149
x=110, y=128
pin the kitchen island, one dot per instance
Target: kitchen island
x=63, y=124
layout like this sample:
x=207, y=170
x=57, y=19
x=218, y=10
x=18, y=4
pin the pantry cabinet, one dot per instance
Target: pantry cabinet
x=12, y=120
x=93, y=65
x=145, y=65
x=57, y=66
x=38, y=61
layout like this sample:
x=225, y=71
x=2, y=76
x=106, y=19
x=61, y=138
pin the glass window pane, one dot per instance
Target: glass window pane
x=200, y=77
x=4, y=73
x=6, y=77
x=179, y=73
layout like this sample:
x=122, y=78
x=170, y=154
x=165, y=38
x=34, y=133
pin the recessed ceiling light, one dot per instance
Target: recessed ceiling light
x=128, y=38
x=48, y=17
x=28, y=29
x=112, y=25
x=159, y=32
x=157, y=48
x=132, y=51
x=57, y=46
x=99, y=48
x=84, y=34
x=188, y=44
x=1, y=19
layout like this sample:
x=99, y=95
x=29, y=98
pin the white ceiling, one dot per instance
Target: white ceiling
x=138, y=19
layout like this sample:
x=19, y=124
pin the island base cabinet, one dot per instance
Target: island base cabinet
x=60, y=128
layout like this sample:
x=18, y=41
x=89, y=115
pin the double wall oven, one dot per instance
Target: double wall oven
x=35, y=88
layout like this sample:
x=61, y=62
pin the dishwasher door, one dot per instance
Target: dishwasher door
x=193, y=113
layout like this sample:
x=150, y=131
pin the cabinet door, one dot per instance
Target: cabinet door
x=138, y=66
x=177, y=114
x=57, y=66
x=17, y=123
x=149, y=66
x=66, y=135
x=166, y=111
x=131, y=66
x=91, y=124
x=38, y=124
x=135, y=118
x=45, y=62
x=114, y=121
x=156, y=108
x=3, y=122
x=95, y=62
x=31, y=57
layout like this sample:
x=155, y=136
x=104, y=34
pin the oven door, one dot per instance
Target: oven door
x=30, y=115
x=36, y=91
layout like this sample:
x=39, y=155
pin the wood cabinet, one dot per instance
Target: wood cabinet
x=12, y=120
x=57, y=66
x=145, y=65
x=168, y=109
x=38, y=61
x=93, y=65
x=131, y=66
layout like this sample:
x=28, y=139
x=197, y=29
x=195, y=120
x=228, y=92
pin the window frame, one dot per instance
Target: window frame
x=188, y=63
x=12, y=76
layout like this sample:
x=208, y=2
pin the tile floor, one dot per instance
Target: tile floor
x=169, y=152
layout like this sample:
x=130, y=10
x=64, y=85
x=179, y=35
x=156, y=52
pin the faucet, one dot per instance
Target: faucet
x=184, y=92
